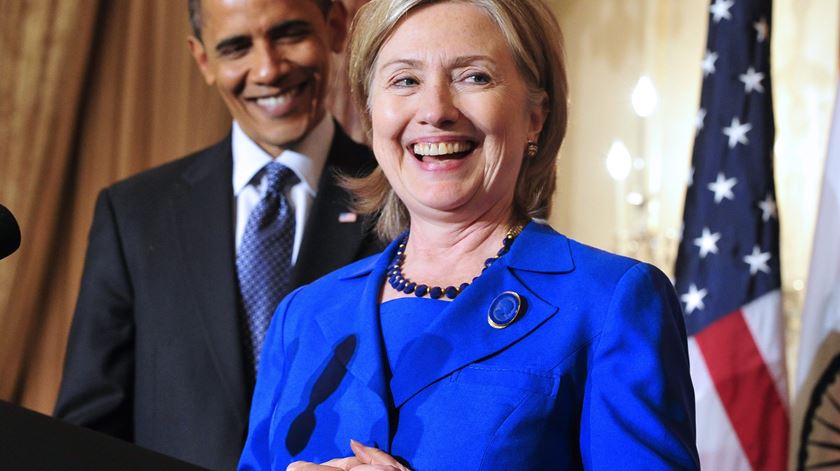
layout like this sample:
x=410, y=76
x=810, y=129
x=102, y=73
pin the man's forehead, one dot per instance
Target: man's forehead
x=226, y=17
x=236, y=5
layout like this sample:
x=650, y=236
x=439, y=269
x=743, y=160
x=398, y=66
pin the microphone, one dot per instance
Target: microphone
x=9, y=233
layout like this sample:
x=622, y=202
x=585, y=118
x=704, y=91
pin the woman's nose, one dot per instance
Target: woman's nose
x=438, y=105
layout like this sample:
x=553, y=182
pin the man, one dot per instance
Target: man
x=173, y=303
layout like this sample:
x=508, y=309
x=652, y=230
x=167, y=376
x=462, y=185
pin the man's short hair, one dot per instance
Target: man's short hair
x=194, y=8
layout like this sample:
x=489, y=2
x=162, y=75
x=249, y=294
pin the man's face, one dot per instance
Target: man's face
x=269, y=59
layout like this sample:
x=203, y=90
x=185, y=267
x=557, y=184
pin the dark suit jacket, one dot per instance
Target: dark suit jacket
x=593, y=374
x=155, y=353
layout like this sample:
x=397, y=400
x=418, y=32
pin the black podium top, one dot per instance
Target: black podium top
x=29, y=440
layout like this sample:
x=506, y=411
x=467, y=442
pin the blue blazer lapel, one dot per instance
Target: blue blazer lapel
x=360, y=318
x=461, y=335
x=362, y=321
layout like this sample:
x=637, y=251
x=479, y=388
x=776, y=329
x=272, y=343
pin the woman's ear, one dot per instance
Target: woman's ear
x=537, y=116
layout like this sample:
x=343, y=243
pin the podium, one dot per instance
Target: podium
x=29, y=440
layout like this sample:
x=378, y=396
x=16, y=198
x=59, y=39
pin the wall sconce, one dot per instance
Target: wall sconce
x=644, y=97
x=619, y=162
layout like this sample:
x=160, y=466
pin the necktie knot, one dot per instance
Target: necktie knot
x=278, y=177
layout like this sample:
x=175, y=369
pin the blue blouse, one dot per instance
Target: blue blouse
x=402, y=320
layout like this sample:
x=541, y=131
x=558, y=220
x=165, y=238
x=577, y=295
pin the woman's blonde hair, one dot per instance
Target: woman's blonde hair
x=534, y=37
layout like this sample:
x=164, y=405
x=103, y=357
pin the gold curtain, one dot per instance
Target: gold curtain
x=91, y=93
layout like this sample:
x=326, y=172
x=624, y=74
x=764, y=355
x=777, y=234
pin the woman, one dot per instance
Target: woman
x=480, y=338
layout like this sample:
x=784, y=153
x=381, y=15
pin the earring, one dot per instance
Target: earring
x=531, y=150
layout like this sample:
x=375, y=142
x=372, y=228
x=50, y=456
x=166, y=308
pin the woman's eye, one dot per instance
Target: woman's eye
x=404, y=82
x=479, y=78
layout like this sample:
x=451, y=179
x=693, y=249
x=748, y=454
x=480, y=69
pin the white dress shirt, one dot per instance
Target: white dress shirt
x=307, y=160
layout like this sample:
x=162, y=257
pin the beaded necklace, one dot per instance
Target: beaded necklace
x=401, y=283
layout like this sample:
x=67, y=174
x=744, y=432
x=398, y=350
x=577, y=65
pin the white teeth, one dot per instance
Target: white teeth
x=441, y=148
x=273, y=101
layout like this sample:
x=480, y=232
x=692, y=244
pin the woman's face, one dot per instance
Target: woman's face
x=450, y=114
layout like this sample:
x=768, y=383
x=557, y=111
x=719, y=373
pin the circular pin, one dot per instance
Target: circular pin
x=504, y=309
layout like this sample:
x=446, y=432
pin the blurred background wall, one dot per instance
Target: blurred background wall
x=93, y=91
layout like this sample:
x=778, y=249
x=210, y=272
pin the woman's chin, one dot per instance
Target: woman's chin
x=445, y=205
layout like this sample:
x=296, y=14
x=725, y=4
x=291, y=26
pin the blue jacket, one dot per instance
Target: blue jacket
x=593, y=375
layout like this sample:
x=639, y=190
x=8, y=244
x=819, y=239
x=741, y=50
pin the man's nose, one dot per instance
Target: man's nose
x=438, y=105
x=268, y=64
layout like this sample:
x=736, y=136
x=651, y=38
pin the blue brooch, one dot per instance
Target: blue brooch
x=504, y=309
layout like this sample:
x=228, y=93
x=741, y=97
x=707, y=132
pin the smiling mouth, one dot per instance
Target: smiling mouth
x=441, y=150
x=281, y=102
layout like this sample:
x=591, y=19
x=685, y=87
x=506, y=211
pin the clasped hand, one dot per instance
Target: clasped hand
x=365, y=459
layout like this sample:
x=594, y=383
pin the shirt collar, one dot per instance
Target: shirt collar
x=307, y=158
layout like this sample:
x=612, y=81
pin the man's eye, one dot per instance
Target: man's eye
x=291, y=32
x=233, y=49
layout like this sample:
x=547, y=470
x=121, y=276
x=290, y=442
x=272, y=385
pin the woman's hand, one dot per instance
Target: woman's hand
x=339, y=464
x=366, y=459
x=373, y=458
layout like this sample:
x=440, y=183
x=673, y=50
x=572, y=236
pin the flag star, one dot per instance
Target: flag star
x=700, y=120
x=709, y=63
x=720, y=10
x=752, y=81
x=737, y=133
x=768, y=208
x=757, y=261
x=723, y=187
x=762, y=29
x=694, y=299
x=707, y=242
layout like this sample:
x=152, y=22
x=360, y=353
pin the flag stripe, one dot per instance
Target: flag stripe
x=764, y=319
x=747, y=390
x=721, y=449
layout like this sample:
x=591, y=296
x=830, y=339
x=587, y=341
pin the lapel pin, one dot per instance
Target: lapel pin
x=504, y=309
x=348, y=217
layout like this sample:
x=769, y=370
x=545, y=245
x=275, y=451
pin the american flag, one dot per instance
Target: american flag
x=727, y=272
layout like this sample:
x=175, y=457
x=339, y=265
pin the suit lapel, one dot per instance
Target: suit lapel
x=330, y=244
x=360, y=318
x=461, y=335
x=204, y=218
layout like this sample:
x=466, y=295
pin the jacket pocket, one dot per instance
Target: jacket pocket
x=536, y=382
